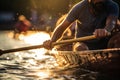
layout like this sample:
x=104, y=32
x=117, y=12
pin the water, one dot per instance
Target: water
x=34, y=65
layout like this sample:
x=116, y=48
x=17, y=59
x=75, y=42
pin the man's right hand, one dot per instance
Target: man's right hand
x=99, y=33
x=48, y=44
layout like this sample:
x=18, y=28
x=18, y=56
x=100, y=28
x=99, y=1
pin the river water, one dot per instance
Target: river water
x=34, y=64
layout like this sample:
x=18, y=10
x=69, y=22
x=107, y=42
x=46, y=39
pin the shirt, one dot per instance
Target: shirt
x=87, y=21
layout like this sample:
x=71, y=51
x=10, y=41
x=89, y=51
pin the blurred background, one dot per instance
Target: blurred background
x=40, y=16
x=43, y=14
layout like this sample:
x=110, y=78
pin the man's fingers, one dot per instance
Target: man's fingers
x=101, y=33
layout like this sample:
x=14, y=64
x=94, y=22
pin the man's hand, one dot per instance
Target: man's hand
x=101, y=33
x=48, y=44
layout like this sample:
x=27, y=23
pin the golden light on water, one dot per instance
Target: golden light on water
x=36, y=38
x=43, y=74
x=32, y=37
x=36, y=59
x=21, y=37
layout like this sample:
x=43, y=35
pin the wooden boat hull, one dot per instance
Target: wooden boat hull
x=96, y=60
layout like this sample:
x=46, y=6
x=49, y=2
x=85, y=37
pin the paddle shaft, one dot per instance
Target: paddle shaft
x=42, y=46
x=20, y=49
x=75, y=40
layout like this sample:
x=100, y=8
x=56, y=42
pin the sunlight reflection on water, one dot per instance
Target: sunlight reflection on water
x=35, y=65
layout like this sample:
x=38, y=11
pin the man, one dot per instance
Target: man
x=96, y=17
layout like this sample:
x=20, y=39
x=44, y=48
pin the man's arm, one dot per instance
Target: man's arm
x=113, y=12
x=110, y=23
x=113, y=16
x=57, y=33
x=59, y=30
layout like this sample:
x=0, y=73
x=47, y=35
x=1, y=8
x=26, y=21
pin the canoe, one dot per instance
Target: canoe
x=95, y=60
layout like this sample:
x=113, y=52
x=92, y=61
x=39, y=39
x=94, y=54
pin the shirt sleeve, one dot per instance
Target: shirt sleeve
x=113, y=9
x=73, y=14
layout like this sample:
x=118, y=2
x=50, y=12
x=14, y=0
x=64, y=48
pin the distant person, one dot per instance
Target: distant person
x=22, y=26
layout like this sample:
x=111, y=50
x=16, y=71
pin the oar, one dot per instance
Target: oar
x=75, y=40
x=42, y=46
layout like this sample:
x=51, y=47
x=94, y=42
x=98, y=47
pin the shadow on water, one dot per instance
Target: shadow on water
x=25, y=66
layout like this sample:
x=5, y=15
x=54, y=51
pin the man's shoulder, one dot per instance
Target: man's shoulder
x=77, y=8
x=113, y=8
x=82, y=3
x=112, y=4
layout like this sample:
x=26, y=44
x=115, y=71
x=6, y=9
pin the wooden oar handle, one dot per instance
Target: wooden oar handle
x=42, y=46
x=75, y=40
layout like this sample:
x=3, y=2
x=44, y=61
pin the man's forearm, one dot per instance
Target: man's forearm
x=59, y=30
x=57, y=34
x=110, y=23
